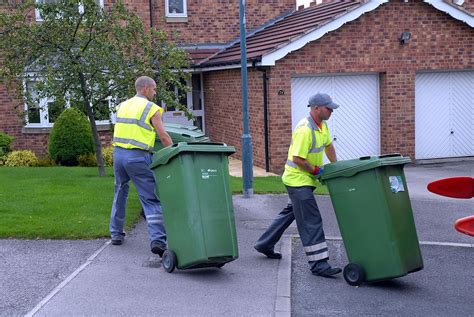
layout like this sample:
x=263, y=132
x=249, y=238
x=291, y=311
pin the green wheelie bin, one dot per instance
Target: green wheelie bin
x=182, y=133
x=374, y=214
x=193, y=186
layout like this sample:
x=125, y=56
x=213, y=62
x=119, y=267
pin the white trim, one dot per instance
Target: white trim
x=214, y=68
x=452, y=11
x=176, y=15
x=295, y=44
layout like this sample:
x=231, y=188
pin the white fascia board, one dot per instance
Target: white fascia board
x=452, y=11
x=270, y=58
x=215, y=68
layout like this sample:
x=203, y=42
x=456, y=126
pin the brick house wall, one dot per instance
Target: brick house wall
x=368, y=44
x=217, y=21
x=223, y=110
x=209, y=21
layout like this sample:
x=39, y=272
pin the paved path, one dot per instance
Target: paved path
x=69, y=278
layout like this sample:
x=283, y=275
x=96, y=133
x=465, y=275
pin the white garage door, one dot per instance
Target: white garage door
x=355, y=125
x=444, y=115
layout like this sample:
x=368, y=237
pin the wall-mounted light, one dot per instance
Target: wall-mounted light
x=405, y=37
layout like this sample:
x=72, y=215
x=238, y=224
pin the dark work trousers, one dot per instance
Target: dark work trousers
x=133, y=164
x=304, y=209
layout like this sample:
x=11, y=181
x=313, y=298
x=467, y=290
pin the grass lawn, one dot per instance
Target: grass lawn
x=74, y=202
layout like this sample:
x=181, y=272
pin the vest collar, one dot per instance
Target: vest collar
x=313, y=124
x=141, y=96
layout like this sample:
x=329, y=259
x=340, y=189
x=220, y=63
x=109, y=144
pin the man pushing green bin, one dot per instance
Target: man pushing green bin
x=373, y=210
x=193, y=185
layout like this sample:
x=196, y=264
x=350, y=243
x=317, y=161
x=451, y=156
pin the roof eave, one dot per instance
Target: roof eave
x=452, y=11
x=271, y=57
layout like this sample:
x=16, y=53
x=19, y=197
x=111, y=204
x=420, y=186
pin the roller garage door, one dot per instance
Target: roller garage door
x=355, y=126
x=444, y=115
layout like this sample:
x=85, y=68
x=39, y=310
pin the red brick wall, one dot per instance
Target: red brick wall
x=369, y=44
x=217, y=21
x=223, y=110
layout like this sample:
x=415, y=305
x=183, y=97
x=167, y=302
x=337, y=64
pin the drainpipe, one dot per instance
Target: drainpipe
x=151, y=13
x=265, y=115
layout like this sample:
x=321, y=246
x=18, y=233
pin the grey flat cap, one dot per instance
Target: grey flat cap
x=322, y=100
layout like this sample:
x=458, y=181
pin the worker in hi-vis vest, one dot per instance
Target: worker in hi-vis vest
x=134, y=137
x=310, y=139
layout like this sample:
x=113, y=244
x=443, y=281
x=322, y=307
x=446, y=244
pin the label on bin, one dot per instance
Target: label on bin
x=207, y=173
x=396, y=184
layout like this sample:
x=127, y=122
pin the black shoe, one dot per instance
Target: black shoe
x=157, y=248
x=269, y=253
x=118, y=240
x=330, y=271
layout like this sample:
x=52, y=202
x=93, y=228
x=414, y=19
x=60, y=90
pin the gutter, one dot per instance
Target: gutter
x=150, y=3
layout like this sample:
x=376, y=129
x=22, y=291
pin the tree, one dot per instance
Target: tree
x=81, y=54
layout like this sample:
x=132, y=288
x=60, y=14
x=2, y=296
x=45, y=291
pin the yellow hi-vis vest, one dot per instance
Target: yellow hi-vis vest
x=133, y=128
x=308, y=141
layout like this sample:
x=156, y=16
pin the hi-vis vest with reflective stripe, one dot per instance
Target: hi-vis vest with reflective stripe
x=308, y=141
x=133, y=129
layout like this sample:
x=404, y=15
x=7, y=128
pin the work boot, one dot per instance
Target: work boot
x=329, y=272
x=118, y=240
x=157, y=248
x=271, y=254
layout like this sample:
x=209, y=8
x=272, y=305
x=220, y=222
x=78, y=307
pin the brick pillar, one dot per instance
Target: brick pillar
x=397, y=112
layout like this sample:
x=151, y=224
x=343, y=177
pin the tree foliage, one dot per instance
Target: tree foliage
x=81, y=54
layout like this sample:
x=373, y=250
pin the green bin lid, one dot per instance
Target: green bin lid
x=349, y=168
x=163, y=156
x=186, y=133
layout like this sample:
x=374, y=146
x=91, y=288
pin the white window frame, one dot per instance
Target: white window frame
x=80, y=8
x=176, y=15
x=44, y=113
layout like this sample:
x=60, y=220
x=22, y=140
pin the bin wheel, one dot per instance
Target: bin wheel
x=220, y=265
x=169, y=261
x=354, y=274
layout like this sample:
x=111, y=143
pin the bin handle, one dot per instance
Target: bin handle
x=390, y=155
x=201, y=143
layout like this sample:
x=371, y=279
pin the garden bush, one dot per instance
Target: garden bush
x=46, y=161
x=70, y=137
x=21, y=158
x=88, y=160
x=108, y=155
x=5, y=141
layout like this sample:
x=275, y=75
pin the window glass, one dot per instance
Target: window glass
x=176, y=6
x=198, y=123
x=54, y=110
x=33, y=110
x=33, y=114
x=196, y=86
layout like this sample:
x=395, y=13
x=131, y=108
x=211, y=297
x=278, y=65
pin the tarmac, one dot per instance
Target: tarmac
x=95, y=278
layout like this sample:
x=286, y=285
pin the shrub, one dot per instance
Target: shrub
x=70, y=137
x=87, y=160
x=46, y=162
x=5, y=141
x=108, y=155
x=21, y=158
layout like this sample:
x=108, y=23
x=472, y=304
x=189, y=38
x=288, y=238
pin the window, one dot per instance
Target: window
x=80, y=8
x=176, y=8
x=44, y=113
